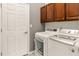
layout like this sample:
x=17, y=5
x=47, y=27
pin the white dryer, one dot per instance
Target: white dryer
x=41, y=42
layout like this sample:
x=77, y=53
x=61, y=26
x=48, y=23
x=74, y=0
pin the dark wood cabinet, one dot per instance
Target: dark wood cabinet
x=47, y=13
x=43, y=14
x=54, y=12
x=59, y=12
x=50, y=12
x=72, y=11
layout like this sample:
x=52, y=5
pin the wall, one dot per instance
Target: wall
x=65, y=24
x=35, y=22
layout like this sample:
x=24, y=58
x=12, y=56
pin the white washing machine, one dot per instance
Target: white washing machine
x=41, y=42
x=65, y=43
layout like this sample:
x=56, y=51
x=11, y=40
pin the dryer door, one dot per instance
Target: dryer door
x=39, y=46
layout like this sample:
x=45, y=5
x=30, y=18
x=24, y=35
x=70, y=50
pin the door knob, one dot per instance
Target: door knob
x=25, y=32
x=73, y=50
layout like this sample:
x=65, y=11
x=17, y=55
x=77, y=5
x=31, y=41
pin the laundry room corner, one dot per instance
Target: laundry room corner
x=35, y=25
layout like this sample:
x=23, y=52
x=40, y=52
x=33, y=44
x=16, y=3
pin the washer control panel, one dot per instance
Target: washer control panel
x=66, y=37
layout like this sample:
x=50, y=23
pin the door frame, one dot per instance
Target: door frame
x=0, y=29
x=28, y=40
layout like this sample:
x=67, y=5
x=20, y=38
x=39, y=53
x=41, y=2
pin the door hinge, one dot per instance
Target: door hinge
x=1, y=53
x=1, y=29
x=1, y=5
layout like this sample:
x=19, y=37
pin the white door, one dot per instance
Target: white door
x=0, y=29
x=15, y=28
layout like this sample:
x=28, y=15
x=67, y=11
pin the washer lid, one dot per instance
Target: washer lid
x=64, y=41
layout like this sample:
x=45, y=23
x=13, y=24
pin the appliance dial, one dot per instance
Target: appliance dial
x=72, y=38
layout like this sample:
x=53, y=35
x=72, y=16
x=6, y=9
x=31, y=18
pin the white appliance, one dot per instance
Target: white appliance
x=65, y=43
x=41, y=41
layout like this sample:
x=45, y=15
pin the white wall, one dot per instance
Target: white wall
x=35, y=21
x=65, y=24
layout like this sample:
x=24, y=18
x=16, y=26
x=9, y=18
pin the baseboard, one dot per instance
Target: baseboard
x=31, y=53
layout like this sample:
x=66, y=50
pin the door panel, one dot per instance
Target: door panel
x=22, y=28
x=15, y=28
x=11, y=29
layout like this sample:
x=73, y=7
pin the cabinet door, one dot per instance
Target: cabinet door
x=43, y=14
x=50, y=12
x=72, y=11
x=59, y=11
